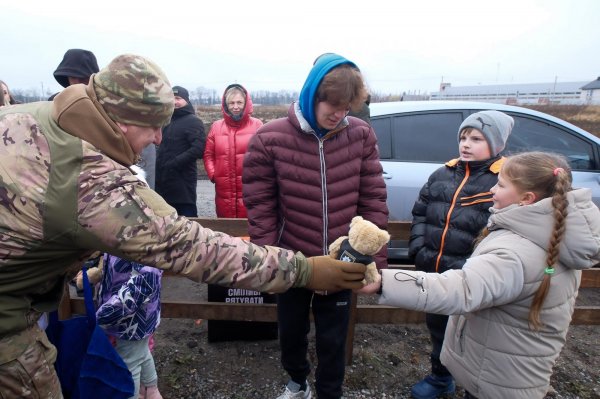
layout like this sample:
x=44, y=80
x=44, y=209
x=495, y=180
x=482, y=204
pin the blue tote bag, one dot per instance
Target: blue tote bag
x=87, y=364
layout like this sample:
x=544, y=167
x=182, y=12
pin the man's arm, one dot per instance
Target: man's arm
x=124, y=217
x=119, y=214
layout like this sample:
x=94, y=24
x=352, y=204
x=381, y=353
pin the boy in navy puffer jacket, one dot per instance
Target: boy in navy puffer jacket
x=451, y=210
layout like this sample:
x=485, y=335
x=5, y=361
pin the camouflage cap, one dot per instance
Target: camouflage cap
x=134, y=90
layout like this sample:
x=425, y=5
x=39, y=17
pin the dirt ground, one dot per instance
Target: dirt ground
x=387, y=359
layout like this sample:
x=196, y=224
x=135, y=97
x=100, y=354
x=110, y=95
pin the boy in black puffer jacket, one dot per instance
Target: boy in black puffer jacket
x=451, y=210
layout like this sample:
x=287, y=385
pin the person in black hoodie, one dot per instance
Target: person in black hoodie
x=182, y=144
x=76, y=66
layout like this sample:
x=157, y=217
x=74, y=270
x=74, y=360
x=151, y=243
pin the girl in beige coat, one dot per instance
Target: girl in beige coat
x=513, y=300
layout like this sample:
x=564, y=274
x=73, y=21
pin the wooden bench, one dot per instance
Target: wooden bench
x=366, y=314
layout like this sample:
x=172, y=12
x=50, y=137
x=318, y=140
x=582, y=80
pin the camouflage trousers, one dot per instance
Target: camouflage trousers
x=27, y=366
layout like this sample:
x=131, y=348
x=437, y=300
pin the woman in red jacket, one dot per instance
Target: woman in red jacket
x=226, y=145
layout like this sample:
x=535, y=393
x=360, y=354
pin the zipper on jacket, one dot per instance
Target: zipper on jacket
x=281, y=231
x=449, y=215
x=461, y=337
x=323, y=194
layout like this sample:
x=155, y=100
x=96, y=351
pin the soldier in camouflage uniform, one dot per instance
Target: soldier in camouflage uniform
x=66, y=191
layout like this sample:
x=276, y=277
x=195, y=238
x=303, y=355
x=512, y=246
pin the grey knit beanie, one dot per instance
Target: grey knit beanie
x=494, y=125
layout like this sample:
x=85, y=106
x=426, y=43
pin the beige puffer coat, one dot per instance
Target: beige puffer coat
x=489, y=346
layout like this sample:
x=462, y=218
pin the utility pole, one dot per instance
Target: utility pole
x=42, y=94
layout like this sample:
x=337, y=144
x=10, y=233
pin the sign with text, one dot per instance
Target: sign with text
x=226, y=330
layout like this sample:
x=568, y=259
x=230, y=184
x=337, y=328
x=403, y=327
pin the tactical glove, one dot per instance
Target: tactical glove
x=328, y=274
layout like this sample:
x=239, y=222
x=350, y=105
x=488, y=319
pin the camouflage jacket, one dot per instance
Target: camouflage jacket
x=66, y=190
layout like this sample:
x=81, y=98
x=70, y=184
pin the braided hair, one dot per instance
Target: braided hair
x=547, y=176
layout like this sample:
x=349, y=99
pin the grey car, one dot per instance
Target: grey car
x=417, y=137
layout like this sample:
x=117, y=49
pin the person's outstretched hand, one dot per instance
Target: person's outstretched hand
x=330, y=274
x=369, y=289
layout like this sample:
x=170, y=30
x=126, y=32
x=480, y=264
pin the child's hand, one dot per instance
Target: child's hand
x=369, y=289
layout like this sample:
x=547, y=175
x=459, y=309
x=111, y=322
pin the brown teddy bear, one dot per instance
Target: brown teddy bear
x=95, y=264
x=363, y=241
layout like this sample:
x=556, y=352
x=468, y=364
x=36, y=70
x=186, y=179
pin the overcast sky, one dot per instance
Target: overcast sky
x=400, y=46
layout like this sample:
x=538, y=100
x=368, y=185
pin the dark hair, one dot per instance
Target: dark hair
x=343, y=86
x=547, y=176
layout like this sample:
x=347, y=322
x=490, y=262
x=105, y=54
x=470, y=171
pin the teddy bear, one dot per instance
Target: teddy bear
x=94, y=266
x=363, y=241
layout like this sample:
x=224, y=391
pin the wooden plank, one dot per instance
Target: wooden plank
x=399, y=230
x=239, y=227
x=589, y=315
x=206, y=310
x=379, y=314
x=233, y=227
x=365, y=314
x=590, y=278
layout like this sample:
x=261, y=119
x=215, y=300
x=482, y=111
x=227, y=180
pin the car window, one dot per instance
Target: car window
x=535, y=135
x=383, y=131
x=431, y=137
x=427, y=137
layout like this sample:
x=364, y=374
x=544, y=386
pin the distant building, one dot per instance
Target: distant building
x=590, y=93
x=530, y=93
x=414, y=97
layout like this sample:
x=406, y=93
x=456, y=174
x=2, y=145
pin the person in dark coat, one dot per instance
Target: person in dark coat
x=76, y=66
x=364, y=112
x=182, y=145
x=452, y=209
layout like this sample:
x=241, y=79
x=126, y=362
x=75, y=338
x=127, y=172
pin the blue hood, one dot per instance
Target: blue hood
x=306, y=101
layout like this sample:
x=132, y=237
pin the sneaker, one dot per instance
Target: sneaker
x=292, y=391
x=434, y=386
